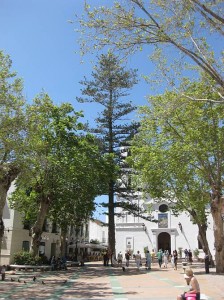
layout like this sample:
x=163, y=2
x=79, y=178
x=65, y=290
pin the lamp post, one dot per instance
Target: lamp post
x=143, y=227
x=180, y=226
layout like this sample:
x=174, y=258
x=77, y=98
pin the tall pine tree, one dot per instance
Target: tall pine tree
x=111, y=82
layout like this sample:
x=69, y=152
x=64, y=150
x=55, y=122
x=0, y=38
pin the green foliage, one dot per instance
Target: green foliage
x=196, y=252
x=94, y=241
x=177, y=151
x=11, y=112
x=12, y=128
x=178, y=31
x=26, y=258
x=110, y=82
x=63, y=171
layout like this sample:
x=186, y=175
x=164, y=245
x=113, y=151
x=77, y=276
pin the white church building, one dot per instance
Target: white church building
x=169, y=232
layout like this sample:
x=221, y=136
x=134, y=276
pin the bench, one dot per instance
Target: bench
x=72, y=263
x=30, y=267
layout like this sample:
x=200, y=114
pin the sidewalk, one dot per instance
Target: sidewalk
x=96, y=282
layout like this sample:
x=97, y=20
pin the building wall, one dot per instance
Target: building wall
x=15, y=235
x=97, y=231
x=137, y=234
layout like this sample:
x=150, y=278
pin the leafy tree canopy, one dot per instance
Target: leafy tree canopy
x=191, y=27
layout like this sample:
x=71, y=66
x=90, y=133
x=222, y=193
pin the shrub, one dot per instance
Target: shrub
x=26, y=258
x=196, y=252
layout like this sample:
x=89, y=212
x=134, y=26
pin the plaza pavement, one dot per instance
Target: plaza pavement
x=96, y=282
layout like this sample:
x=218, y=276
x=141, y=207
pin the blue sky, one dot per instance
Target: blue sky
x=42, y=45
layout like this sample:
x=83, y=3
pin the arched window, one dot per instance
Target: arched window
x=163, y=208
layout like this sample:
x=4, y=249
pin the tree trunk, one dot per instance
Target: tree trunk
x=38, y=227
x=3, y=195
x=203, y=240
x=111, y=231
x=63, y=242
x=111, y=228
x=7, y=175
x=217, y=210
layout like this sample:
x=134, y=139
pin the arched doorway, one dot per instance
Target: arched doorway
x=164, y=241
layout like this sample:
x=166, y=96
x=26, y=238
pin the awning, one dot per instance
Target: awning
x=88, y=245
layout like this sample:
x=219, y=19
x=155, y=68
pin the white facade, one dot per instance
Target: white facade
x=16, y=238
x=170, y=232
x=94, y=231
x=97, y=231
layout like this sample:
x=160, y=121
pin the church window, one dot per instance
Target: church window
x=163, y=208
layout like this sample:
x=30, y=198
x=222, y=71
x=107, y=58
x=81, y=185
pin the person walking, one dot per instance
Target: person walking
x=190, y=256
x=138, y=259
x=53, y=263
x=207, y=263
x=3, y=272
x=165, y=258
x=160, y=257
x=119, y=259
x=153, y=255
x=148, y=260
x=193, y=284
x=186, y=255
x=175, y=258
x=172, y=261
x=106, y=259
x=127, y=257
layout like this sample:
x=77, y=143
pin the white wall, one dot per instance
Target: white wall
x=130, y=229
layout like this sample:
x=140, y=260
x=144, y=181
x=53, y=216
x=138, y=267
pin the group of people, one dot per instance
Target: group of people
x=58, y=264
x=118, y=261
x=188, y=256
x=163, y=259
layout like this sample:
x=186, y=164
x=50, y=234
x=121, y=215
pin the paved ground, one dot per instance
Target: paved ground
x=96, y=282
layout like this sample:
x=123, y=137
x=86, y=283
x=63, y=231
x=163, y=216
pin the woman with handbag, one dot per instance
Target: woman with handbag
x=194, y=291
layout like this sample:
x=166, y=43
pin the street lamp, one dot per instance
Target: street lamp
x=180, y=226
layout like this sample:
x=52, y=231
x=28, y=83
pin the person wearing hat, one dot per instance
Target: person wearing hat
x=194, y=291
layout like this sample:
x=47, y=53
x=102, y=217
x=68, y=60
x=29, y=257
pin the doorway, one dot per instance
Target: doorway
x=53, y=249
x=164, y=241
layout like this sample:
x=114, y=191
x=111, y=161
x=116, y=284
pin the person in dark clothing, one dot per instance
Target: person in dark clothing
x=106, y=259
x=53, y=263
x=127, y=257
x=175, y=258
x=190, y=256
x=207, y=262
x=3, y=272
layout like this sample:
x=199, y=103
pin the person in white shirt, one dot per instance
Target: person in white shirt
x=119, y=259
x=165, y=258
x=138, y=259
